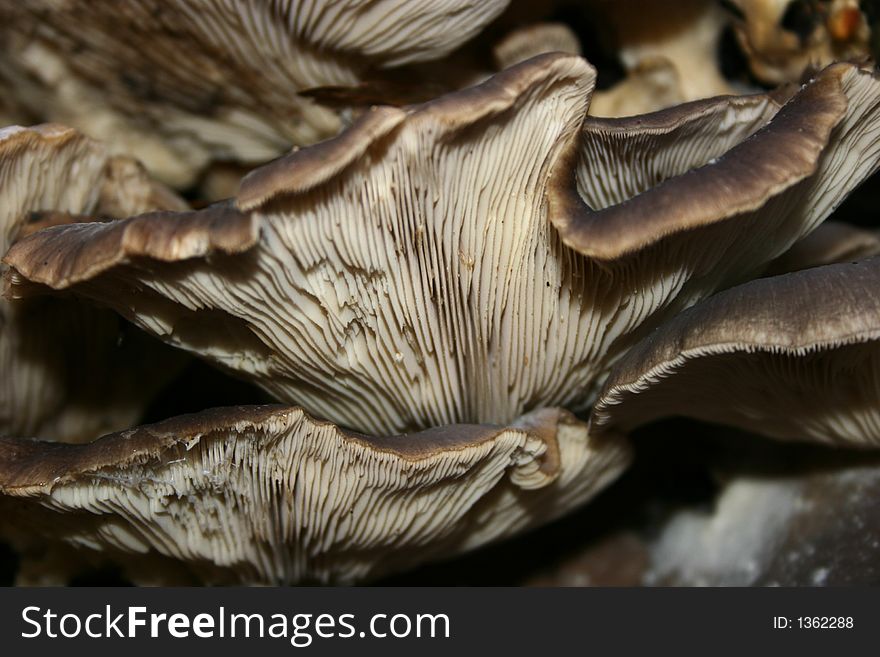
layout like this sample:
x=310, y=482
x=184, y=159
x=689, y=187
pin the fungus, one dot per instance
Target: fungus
x=411, y=249
x=783, y=39
x=179, y=84
x=669, y=51
x=650, y=86
x=793, y=357
x=268, y=494
x=474, y=260
x=410, y=265
x=71, y=373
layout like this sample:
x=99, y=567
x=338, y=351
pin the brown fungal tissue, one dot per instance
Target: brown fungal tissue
x=668, y=50
x=783, y=38
x=463, y=307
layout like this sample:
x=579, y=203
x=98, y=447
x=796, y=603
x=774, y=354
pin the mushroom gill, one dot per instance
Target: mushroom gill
x=270, y=495
x=794, y=357
x=179, y=84
x=440, y=279
x=422, y=268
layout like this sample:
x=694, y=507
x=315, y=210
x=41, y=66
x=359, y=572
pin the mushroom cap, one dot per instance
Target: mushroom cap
x=270, y=495
x=793, y=357
x=178, y=83
x=71, y=372
x=413, y=271
x=720, y=221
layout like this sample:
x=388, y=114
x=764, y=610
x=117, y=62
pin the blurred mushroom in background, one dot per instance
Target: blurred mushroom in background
x=669, y=51
x=785, y=39
x=178, y=84
x=817, y=527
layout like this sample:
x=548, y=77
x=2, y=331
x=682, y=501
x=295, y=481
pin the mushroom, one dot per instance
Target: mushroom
x=71, y=372
x=268, y=494
x=533, y=40
x=471, y=260
x=668, y=50
x=652, y=82
x=651, y=85
x=794, y=357
x=783, y=39
x=179, y=84
x=406, y=251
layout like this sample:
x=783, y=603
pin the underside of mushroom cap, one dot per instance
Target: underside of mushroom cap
x=179, y=83
x=757, y=169
x=832, y=242
x=406, y=274
x=682, y=236
x=268, y=494
x=624, y=157
x=391, y=287
x=795, y=357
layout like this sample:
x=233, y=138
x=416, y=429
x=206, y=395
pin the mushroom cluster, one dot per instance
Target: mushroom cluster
x=461, y=295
